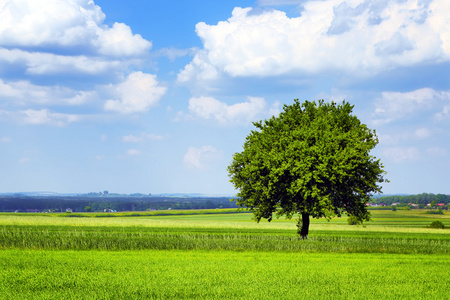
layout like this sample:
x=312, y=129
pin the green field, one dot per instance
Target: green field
x=222, y=255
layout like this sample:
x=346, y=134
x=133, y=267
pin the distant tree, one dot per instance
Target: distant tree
x=353, y=220
x=88, y=209
x=441, y=198
x=437, y=224
x=313, y=159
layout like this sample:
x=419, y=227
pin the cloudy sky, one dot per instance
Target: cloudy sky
x=156, y=96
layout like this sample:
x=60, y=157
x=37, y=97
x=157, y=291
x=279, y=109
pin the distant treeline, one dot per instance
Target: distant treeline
x=421, y=199
x=23, y=203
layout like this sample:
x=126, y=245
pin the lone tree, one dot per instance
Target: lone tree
x=312, y=160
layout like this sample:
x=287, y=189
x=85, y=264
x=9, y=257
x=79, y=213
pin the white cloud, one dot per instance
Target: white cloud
x=401, y=154
x=141, y=138
x=46, y=117
x=422, y=133
x=77, y=24
x=357, y=37
x=405, y=136
x=5, y=139
x=392, y=106
x=120, y=41
x=53, y=37
x=37, y=63
x=197, y=158
x=213, y=109
x=444, y=114
x=440, y=22
x=137, y=93
x=23, y=93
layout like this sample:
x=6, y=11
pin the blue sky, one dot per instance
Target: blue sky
x=156, y=96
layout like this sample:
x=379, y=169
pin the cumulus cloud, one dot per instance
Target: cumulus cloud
x=444, y=114
x=392, y=106
x=212, y=109
x=48, y=37
x=23, y=92
x=38, y=63
x=197, y=158
x=137, y=93
x=77, y=24
x=120, y=41
x=357, y=37
x=46, y=117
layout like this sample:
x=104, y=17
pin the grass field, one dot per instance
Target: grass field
x=211, y=256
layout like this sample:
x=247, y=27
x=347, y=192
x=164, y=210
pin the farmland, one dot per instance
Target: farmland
x=222, y=255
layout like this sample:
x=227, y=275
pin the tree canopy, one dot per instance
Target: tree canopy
x=313, y=160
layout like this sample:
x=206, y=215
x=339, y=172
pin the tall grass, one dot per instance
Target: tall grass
x=222, y=256
x=220, y=275
x=129, y=238
x=390, y=232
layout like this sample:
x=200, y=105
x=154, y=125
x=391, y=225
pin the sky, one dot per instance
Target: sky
x=149, y=96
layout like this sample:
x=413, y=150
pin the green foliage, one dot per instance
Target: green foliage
x=119, y=203
x=353, y=220
x=437, y=224
x=312, y=159
x=435, y=212
x=421, y=199
x=87, y=209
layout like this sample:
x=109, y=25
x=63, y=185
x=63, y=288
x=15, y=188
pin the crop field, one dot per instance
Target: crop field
x=222, y=255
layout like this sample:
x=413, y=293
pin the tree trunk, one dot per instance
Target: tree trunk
x=303, y=228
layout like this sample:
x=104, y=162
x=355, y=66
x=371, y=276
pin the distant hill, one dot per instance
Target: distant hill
x=192, y=195
x=39, y=194
x=49, y=202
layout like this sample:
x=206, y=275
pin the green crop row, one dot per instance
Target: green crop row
x=222, y=256
x=176, y=274
x=133, y=213
x=139, y=238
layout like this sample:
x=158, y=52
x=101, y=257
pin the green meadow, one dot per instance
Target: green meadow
x=215, y=254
